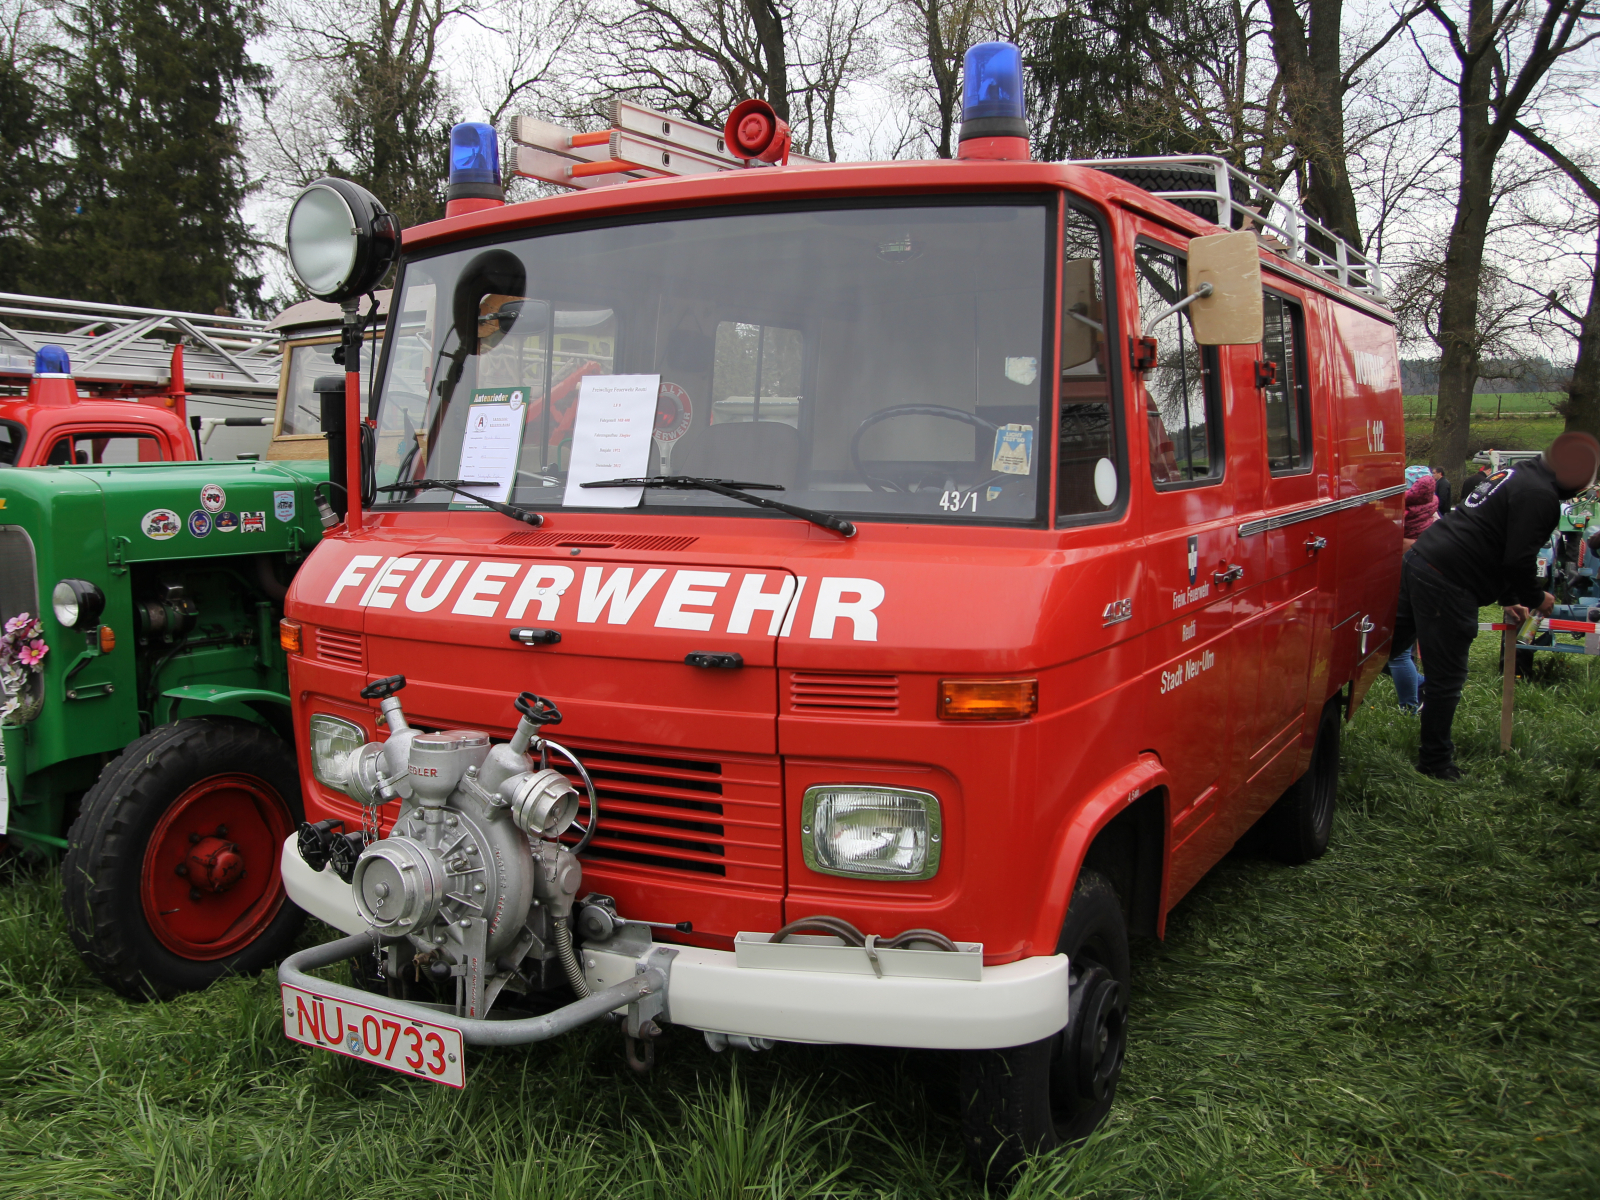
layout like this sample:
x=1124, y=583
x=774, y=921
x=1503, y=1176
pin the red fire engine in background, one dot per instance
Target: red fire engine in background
x=943, y=566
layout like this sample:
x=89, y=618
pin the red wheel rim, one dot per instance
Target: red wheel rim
x=193, y=921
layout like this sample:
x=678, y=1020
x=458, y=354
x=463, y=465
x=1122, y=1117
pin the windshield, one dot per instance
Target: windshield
x=309, y=362
x=11, y=437
x=874, y=361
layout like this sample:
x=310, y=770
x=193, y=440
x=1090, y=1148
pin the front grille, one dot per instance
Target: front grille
x=685, y=818
x=336, y=646
x=602, y=541
x=862, y=695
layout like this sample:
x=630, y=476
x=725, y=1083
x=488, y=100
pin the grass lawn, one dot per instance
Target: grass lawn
x=1513, y=433
x=1416, y=1015
x=1489, y=403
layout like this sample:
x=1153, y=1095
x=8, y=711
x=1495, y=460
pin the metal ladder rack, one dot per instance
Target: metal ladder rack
x=640, y=144
x=117, y=344
x=1344, y=264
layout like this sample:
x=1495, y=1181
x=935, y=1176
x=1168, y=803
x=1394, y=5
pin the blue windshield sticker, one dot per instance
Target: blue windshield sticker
x=1013, y=450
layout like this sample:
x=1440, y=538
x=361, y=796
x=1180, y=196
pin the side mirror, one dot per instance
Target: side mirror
x=1079, y=312
x=1231, y=263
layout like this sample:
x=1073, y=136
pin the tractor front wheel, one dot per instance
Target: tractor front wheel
x=171, y=879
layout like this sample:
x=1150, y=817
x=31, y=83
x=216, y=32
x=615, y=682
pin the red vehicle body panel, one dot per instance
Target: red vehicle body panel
x=1209, y=696
x=53, y=409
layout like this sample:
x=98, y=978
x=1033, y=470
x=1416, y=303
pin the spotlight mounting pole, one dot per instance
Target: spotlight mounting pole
x=354, y=418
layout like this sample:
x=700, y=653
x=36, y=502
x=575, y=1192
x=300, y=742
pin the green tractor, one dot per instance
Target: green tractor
x=146, y=732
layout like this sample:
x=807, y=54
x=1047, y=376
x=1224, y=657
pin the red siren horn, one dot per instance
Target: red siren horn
x=753, y=130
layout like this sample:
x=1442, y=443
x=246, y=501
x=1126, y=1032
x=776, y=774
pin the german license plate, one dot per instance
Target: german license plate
x=373, y=1035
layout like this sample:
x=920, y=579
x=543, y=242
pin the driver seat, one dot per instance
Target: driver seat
x=751, y=451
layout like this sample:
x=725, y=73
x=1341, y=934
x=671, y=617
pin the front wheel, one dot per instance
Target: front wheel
x=171, y=878
x=1054, y=1092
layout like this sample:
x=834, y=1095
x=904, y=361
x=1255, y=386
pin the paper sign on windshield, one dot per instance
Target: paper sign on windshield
x=492, y=440
x=611, y=438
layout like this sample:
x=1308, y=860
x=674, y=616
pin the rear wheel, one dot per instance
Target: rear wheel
x=1296, y=829
x=171, y=879
x=1054, y=1092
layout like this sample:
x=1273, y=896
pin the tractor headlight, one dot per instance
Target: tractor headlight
x=341, y=240
x=887, y=833
x=77, y=603
x=335, y=747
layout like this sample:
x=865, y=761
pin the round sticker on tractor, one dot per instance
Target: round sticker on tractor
x=674, y=413
x=199, y=522
x=160, y=524
x=227, y=522
x=212, y=497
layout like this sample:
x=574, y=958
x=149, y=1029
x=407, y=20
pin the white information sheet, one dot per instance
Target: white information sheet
x=611, y=438
x=492, y=441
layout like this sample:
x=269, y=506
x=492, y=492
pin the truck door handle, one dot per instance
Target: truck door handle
x=1230, y=575
x=536, y=637
x=1364, y=627
x=1315, y=543
x=713, y=660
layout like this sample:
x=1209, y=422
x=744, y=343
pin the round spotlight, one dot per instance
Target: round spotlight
x=77, y=603
x=341, y=240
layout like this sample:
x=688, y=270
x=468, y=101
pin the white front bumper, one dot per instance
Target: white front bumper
x=1010, y=1005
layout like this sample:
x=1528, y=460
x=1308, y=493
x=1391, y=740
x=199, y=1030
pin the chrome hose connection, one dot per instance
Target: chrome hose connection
x=569, y=958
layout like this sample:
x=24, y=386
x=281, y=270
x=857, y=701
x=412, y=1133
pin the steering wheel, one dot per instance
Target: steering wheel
x=882, y=482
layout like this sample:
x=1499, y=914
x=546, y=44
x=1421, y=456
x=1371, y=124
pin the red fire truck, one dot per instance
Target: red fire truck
x=935, y=568
x=117, y=384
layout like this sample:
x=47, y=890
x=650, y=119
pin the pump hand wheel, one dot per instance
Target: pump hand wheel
x=382, y=689
x=537, y=709
x=915, y=476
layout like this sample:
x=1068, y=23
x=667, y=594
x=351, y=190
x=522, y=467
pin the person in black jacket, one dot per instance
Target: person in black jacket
x=1441, y=489
x=1483, y=552
x=1471, y=482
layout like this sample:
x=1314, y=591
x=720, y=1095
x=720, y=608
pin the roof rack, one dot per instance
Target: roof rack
x=1214, y=188
x=120, y=344
x=640, y=144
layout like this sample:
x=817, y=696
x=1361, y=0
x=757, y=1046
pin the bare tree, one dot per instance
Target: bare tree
x=1561, y=311
x=937, y=35
x=1501, y=56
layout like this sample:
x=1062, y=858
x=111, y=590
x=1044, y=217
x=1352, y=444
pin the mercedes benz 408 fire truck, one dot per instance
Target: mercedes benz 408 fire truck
x=934, y=569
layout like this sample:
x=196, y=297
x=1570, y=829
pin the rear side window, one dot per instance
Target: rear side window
x=1287, y=403
x=88, y=449
x=11, y=435
x=1181, y=403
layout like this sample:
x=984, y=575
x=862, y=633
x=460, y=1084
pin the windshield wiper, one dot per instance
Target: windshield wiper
x=729, y=488
x=459, y=487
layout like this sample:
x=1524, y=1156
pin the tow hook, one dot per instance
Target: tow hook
x=649, y=1031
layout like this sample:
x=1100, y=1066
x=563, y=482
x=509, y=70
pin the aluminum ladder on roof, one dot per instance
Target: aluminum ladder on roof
x=1219, y=182
x=119, y=344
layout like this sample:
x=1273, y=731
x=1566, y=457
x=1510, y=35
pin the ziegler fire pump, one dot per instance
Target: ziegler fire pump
x=938, y=566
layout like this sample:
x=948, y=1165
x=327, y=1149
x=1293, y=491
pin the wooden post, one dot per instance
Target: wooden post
x=1508, y=684
x=1498, y=401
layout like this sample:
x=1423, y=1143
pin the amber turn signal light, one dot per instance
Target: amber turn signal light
x=289, y=635
x=108, y=639
x=988, y=699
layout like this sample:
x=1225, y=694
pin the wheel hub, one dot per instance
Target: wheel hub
x=1095, y=1040
x=214, y=864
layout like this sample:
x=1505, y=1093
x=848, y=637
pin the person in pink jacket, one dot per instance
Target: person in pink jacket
x=1422, y=510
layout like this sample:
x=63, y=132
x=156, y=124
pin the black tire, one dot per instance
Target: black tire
x=116, y=883
x=1297, y=827
x=1052, y=1093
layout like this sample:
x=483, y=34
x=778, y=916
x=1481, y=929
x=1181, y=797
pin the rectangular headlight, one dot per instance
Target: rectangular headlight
x=877, y=832
x=332, y=740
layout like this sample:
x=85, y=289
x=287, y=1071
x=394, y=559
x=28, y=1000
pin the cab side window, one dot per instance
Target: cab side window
x=1182, y=407
x=1089, y=474
x=88, y=449
x=1287, y=403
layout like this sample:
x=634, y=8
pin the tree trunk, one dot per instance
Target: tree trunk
x=1583, y=394
x=768, y=22
x=1314, y=88
x=1463, y=259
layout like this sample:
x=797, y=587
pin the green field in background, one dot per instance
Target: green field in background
x=1414, y=1016
x=1488, y=402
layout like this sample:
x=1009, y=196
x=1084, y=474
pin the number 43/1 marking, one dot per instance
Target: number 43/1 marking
x=955, y=501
